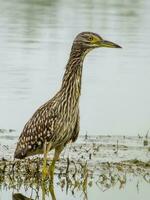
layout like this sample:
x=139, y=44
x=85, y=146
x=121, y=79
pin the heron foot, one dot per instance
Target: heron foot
x=51, y=170
x=44, y=170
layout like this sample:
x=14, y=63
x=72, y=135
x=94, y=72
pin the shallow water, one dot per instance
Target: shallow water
x=106, y=166
x=135, y=188
x=35, y=40
x=104, y=148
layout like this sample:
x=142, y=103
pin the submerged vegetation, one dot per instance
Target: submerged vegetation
x=94, y=161
x=70, y=176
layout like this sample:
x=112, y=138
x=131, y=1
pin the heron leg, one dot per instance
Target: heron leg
x=58, y=150
x=46, y=150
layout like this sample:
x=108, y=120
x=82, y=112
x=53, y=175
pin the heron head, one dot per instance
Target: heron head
x=90, y=40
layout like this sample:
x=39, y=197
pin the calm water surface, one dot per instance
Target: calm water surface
x=35, y=41
x=136, y=190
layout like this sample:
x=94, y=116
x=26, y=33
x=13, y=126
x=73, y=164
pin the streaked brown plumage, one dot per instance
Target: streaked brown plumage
x=57, y=121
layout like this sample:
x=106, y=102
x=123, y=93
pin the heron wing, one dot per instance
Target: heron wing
x=38, y=129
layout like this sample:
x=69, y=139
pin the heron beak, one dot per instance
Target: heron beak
x=105, y=43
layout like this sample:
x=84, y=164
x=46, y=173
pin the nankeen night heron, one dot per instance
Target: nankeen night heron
x=56, y=123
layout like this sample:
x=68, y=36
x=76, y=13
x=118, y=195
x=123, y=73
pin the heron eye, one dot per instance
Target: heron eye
x=90, y=38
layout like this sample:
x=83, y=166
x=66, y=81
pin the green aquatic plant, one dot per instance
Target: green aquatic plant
x=77, y=178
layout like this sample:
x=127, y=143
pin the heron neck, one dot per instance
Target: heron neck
x=71, y=84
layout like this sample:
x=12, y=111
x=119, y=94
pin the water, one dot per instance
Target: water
x=35, y=41
x=106, y=166
x=133, y=190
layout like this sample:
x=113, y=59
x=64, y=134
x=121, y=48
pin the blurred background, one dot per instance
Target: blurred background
x=35, y=41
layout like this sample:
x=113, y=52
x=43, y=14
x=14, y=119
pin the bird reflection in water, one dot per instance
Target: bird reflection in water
x=19, y=196
x=68, y=182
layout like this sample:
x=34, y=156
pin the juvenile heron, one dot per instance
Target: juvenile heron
x=56, y=123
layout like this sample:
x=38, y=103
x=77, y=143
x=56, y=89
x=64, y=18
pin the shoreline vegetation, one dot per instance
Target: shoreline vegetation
x=70, y=175
x=104, y=161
